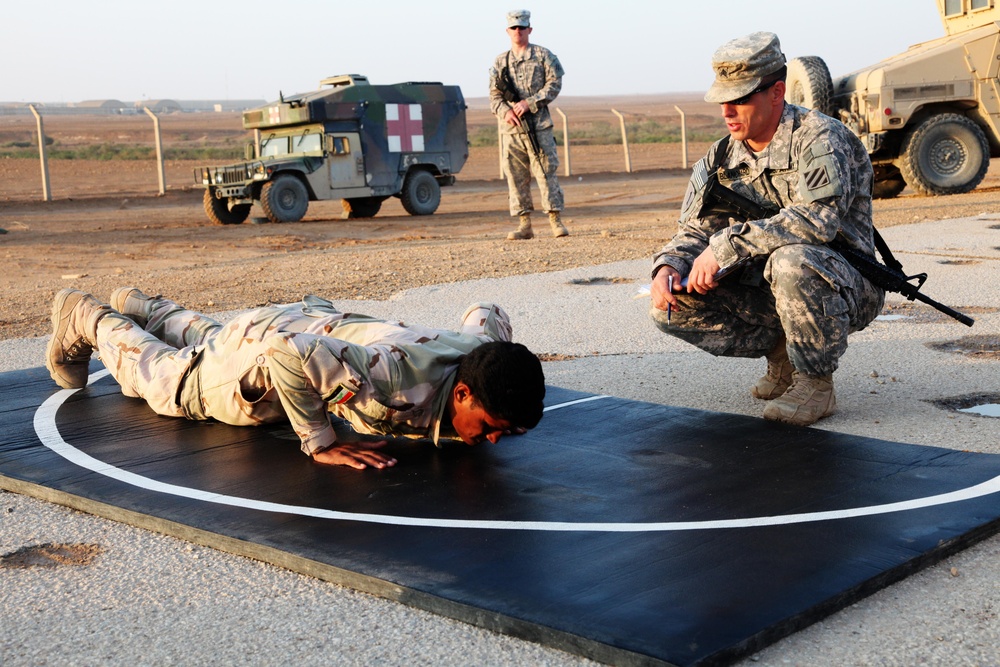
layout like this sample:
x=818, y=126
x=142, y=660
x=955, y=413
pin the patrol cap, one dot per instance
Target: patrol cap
x=519, y=17
x=742, y=64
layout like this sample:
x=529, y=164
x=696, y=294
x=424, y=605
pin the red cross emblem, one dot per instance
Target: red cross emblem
x=404, y=128
x=274, y=115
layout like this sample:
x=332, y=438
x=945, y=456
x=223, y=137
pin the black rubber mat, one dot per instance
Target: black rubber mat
x=623, y=531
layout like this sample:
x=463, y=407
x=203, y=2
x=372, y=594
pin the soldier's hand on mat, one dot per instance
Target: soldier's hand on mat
x=659, y=293
x=517, y=430
x=702, y=276
x=359, y=455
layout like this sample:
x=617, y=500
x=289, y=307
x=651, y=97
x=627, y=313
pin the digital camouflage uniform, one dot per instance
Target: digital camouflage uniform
x=819, y=175
x=296, y=363
x=537, y=77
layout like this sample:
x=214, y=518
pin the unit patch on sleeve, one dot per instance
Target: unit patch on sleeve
x=816, y=178
x=819, y=177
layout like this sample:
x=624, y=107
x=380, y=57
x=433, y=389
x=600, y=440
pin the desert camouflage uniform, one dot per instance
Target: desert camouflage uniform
x=819, y=175
x=296, y=362
x=537, y=76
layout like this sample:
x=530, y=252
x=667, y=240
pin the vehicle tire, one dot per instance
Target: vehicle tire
x=361, y=207
x=946, y=154
x=809, y=84
x=284, y=199
x=888, y=188
x=218, y=210
x=421, y=193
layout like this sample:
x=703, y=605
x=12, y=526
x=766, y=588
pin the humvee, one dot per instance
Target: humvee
x=930, y=117
x=349, y=140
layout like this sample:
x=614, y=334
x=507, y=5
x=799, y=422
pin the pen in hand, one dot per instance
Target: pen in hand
x=670, y=288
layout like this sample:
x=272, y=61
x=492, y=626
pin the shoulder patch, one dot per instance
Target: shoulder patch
x=699, y=174
x=340, y=395
x=821, y=146
x=816, y=178
x=693, y=195
x=819, y=177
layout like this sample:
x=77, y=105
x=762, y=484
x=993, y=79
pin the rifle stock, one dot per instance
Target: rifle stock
x=877, y=273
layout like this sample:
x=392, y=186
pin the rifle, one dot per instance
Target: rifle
x=888, y=276
x=509, y=93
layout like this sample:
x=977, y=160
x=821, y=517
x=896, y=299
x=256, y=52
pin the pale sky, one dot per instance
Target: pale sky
x=70, y=51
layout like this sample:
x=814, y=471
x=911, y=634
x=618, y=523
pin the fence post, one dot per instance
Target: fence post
x=684, y=137
x=628, y=159
x=159, y=150
x=46, y=188
x=500, y=149
x=565, y=139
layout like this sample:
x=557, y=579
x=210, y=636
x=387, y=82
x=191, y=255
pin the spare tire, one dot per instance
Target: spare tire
x=809, y=84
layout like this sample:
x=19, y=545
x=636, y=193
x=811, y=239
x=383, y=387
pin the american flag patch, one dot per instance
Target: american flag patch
x=699, y=175
x=816, y=178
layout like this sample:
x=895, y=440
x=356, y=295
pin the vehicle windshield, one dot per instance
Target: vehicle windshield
x=309, y=142
x=273, y=146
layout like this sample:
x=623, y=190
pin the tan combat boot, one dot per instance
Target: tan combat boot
x=74, y=336
x=779, y=374
x=523, y=231
x=558, y=228
x=807, y=400
x=133, y=304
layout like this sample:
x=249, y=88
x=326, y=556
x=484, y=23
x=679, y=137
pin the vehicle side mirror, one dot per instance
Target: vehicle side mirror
x=249, y=152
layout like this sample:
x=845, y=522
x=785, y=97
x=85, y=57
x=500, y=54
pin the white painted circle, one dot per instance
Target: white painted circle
x=48, y=433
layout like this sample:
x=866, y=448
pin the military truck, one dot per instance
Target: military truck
x=930, y=117
x=349, y=140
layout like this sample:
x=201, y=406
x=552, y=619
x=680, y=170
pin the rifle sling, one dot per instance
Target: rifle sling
x=880, y=244
x=870, y=267
x=529, y=122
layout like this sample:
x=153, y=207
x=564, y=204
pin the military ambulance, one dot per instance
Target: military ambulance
x=930, y=117
x=349, y=140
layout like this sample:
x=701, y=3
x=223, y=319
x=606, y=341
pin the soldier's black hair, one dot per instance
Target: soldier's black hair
x=507, y=381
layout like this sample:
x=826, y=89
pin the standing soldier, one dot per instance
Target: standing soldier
x=523, y=81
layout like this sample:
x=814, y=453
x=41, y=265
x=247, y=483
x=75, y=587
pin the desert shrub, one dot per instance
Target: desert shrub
x=483, y=136
x=640, y=129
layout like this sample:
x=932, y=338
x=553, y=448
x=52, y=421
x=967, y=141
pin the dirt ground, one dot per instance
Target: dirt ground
x=107, y=227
